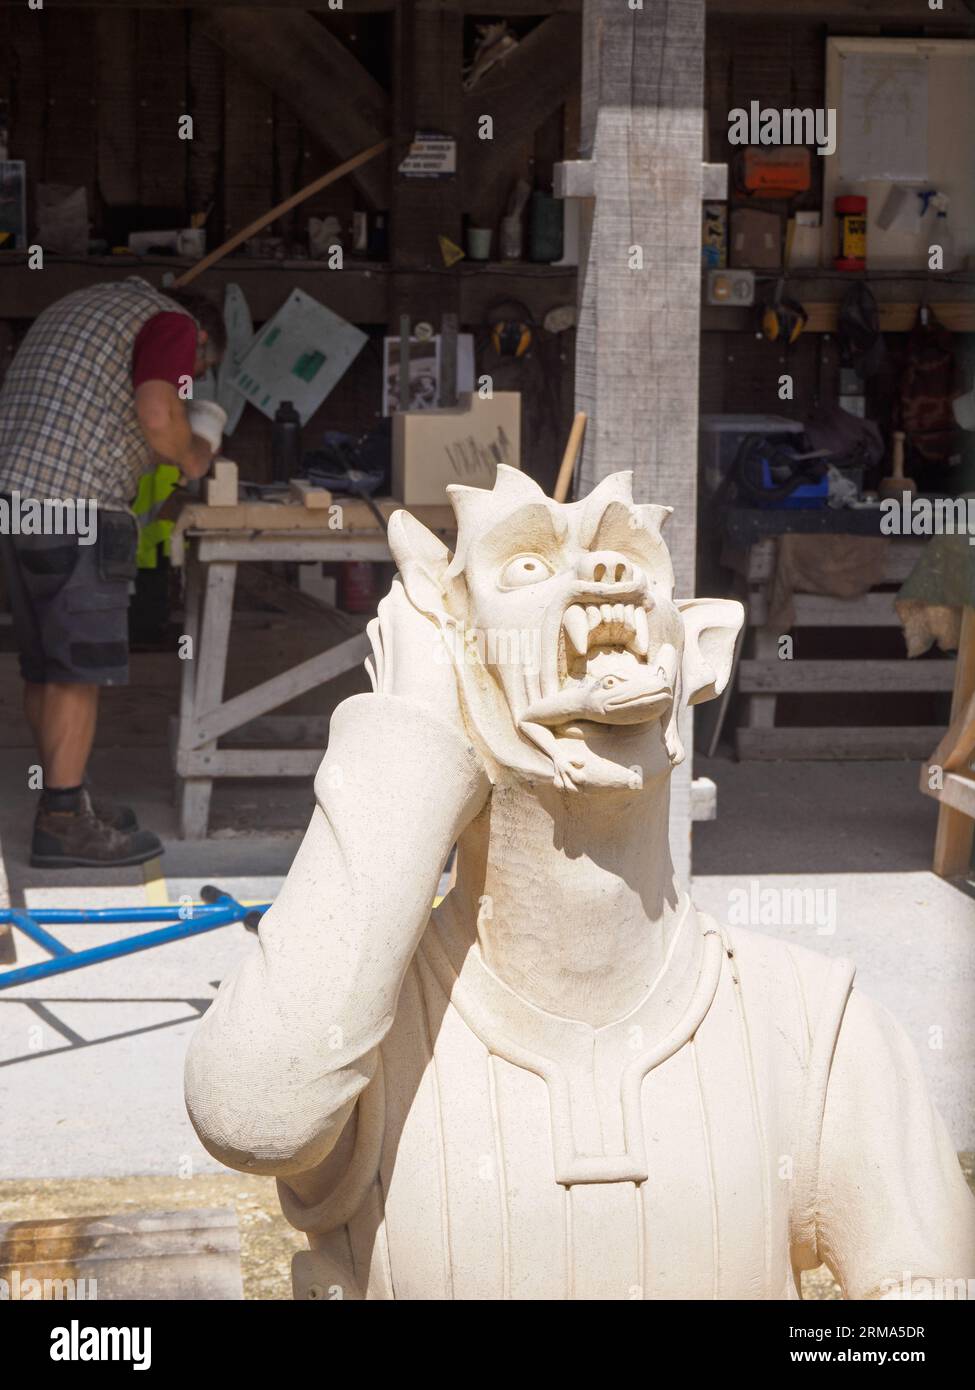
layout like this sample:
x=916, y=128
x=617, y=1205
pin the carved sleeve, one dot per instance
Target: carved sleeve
x=892, y=1203
x=280, y=1058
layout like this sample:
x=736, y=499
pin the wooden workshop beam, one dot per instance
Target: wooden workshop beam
x=358, y=293
x=337, y=101
x=116, y=106
x=834, y=677
x=576, y=178
x=914, y=13
x=885, y=12
x=638, y=335
x=637, y=344
x=501, y=8
x=428, y=55
x=518, y=93
x=957, y=315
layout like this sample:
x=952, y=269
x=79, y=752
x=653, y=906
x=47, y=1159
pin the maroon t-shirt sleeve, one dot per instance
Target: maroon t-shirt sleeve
x=165, y=349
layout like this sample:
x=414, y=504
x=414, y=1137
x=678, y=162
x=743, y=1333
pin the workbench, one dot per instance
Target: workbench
x=209, y=543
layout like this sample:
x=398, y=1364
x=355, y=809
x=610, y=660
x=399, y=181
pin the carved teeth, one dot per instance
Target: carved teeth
x=588, y=627
x=576, y=625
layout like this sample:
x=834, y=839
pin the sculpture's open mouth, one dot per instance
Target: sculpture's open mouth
x=610, y=669
x=587, y=628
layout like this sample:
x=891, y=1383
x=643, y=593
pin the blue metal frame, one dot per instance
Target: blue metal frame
x=217, y=909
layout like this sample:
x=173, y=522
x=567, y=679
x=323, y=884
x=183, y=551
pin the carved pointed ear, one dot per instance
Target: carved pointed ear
x=652, y=516
x=422, y=560
x=711, y=627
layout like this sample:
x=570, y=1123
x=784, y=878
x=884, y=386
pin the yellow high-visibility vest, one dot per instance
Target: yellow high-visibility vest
x=154, y=488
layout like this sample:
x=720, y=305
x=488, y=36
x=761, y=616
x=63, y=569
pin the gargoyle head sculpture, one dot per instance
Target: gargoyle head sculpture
x=572, y=655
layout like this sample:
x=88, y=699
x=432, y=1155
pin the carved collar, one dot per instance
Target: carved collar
x=594, y=1075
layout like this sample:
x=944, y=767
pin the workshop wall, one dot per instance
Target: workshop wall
x=91, y=98
x=779, y=62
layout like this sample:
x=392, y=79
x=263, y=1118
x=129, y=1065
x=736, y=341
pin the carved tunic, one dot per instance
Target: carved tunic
x=552, y=1160
x=751, y=1117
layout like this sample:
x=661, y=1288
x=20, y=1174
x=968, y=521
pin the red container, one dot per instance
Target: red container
x=357, y=586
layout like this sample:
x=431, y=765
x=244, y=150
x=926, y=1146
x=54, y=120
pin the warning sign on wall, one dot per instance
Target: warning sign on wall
x=431, y=156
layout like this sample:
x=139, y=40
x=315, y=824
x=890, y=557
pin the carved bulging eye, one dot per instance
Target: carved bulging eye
x=524, y=569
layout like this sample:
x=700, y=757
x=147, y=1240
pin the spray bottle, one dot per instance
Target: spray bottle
x=939, y=234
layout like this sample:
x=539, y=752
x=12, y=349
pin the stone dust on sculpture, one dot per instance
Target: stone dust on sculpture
x=564, y=1082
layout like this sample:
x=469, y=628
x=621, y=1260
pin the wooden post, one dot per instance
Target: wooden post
x=638, y=336
x=427, y=95
x=956, y=828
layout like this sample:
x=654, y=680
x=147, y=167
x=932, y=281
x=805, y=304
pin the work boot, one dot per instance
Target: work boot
x=119, y=817
x=79, y=839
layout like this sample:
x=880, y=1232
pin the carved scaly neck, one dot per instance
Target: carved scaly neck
x=573, y=895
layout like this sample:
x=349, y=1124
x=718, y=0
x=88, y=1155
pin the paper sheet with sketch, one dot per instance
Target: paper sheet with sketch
x=884, y=117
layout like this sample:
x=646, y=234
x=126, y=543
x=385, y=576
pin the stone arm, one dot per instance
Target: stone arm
x=893, y=1207
x=277, y=1064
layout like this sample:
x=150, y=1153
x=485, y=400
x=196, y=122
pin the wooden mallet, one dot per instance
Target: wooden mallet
x=567, y=468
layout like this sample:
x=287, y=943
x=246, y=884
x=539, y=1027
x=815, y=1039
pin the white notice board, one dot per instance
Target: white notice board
x=905, y=115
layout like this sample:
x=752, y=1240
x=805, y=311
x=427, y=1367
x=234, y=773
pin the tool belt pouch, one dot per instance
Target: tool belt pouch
x=118, y=538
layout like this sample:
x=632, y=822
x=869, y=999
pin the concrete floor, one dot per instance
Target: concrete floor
x=814, y=817
x=90, y=1062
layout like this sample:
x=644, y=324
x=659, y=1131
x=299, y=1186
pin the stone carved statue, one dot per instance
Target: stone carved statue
x=564, y=1082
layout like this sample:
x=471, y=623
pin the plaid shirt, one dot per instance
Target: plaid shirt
x=68, y=426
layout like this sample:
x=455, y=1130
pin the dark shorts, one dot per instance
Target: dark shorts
x=70, y=602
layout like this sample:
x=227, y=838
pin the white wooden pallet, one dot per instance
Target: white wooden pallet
x=762, y=677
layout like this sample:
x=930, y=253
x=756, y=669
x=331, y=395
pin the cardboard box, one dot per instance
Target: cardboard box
x=756, y=239
x=802, y=241
x=463, y=444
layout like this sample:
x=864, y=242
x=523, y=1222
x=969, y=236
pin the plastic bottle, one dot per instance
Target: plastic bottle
x=285, y=443
x=851, y=232
x=942, y=234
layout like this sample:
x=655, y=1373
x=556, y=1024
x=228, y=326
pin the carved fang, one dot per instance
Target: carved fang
x=576, y=626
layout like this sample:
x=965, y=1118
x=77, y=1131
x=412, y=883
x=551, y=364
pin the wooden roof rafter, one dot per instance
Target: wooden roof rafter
x=312, y=72
x=499, y=8
x=886, y=12
x=519, y=93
